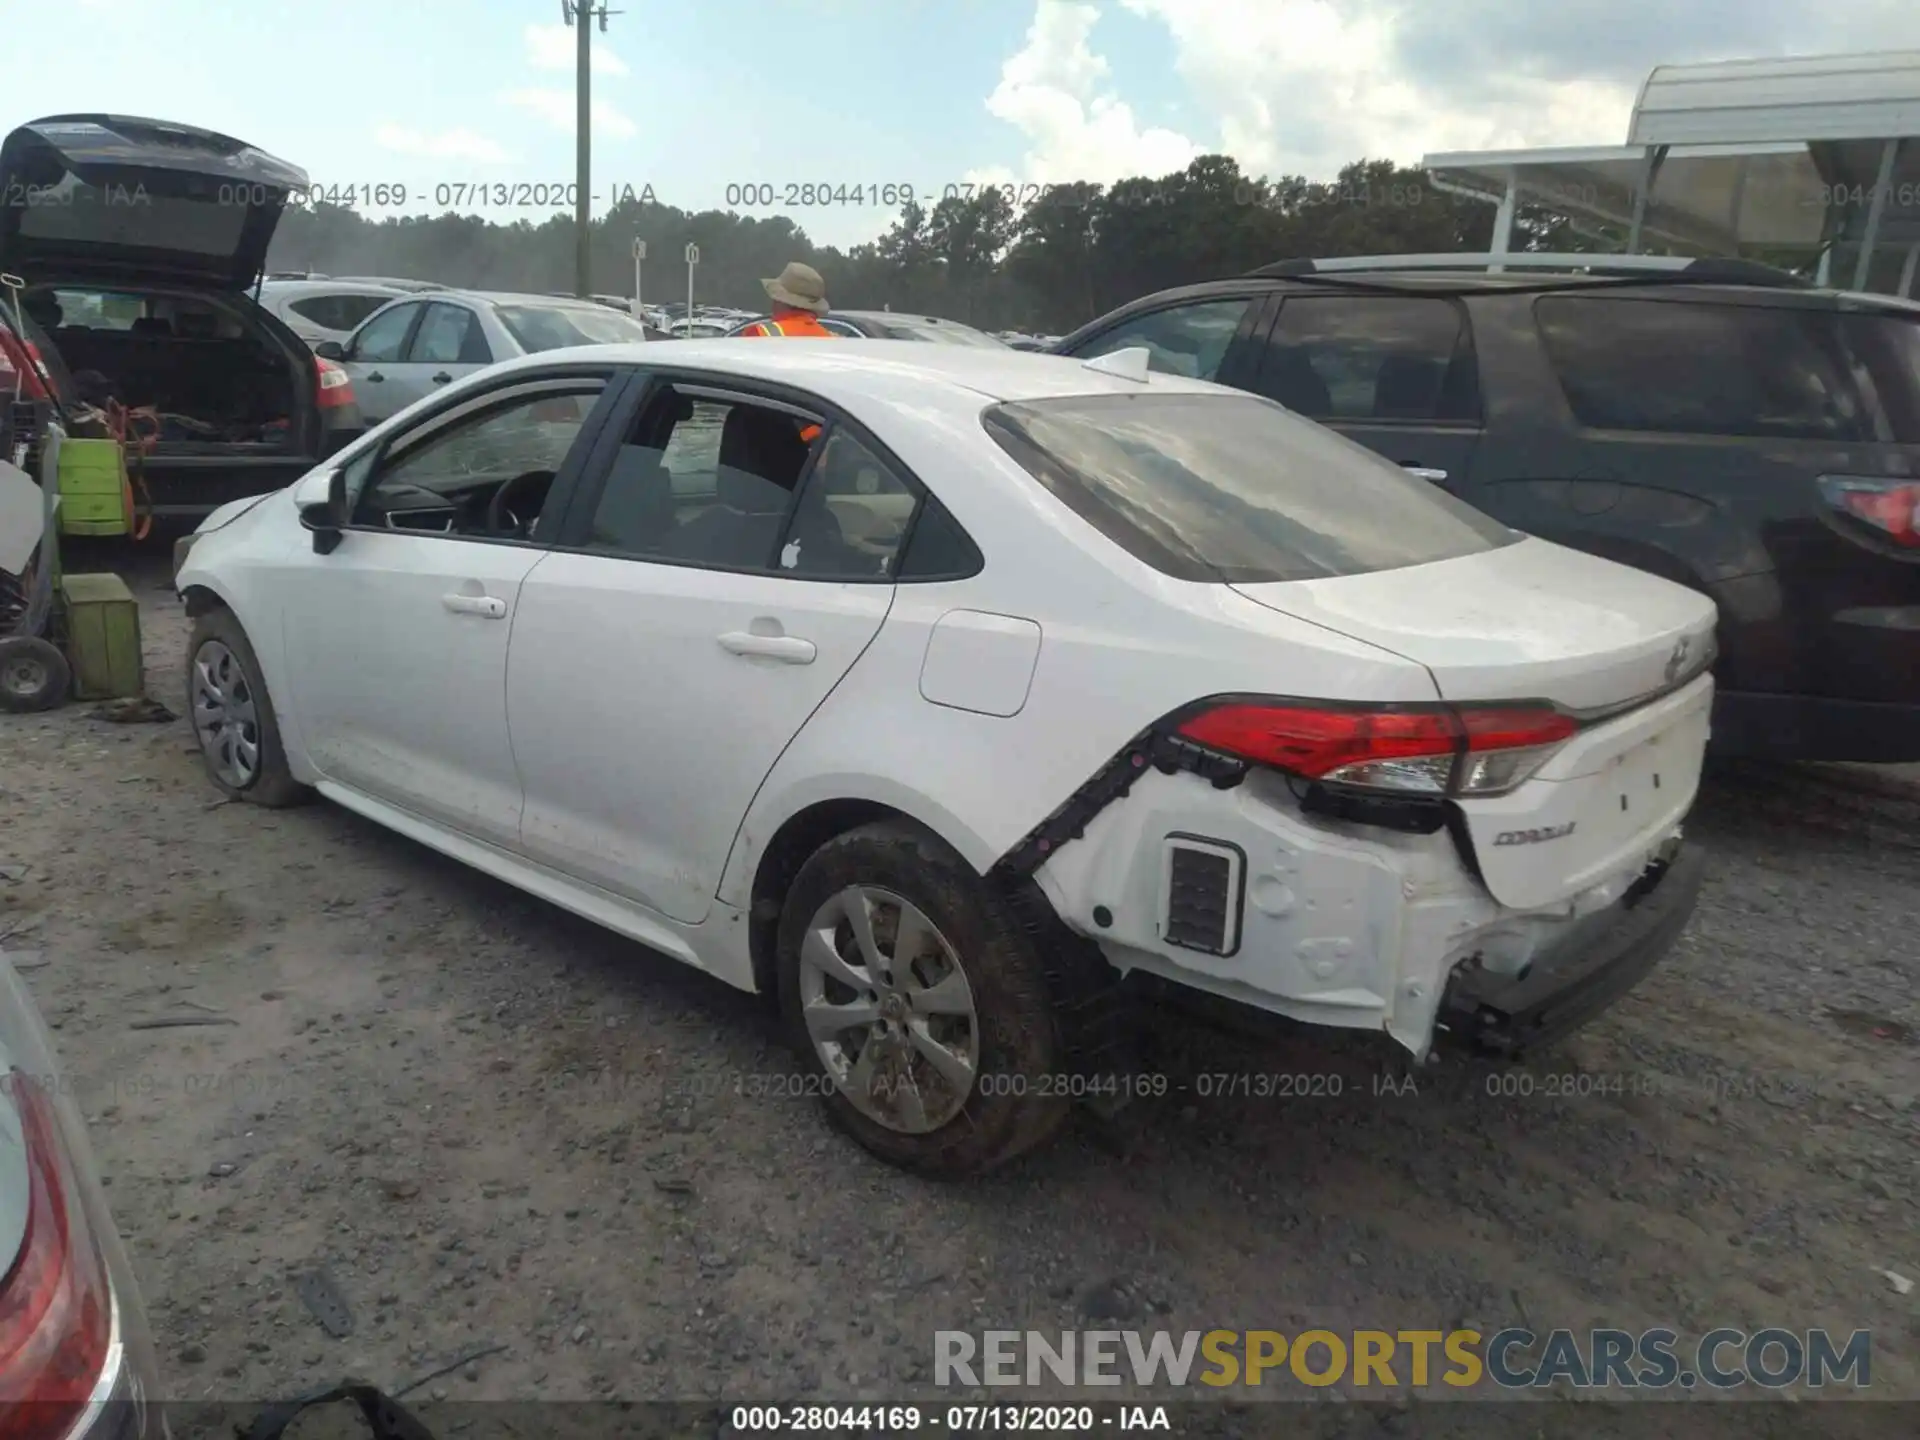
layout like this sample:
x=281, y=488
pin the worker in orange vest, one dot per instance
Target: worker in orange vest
x=799, y=298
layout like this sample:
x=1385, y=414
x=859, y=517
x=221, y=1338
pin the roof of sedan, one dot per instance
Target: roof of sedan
x=841, y=369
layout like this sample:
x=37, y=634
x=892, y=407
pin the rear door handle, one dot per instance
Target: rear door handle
x=789, y=648
x=1426, y=472
x=442, y=378
x=488, y=607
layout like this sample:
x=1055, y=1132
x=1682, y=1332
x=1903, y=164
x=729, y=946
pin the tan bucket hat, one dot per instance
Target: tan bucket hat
x=799, y=286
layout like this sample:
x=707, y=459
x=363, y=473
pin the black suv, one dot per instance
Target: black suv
x=1717, y=422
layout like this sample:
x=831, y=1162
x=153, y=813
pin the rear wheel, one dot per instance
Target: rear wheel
x=233, y=718
x=910, y=991
x=34, y=675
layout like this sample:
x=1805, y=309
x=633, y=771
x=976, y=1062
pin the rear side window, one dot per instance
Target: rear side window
x=1232, y=488
x=338, y=312
x=1368, y=358
x=1767, y=372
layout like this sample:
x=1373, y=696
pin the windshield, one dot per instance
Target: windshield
x=1233, y=488
x=542, y=327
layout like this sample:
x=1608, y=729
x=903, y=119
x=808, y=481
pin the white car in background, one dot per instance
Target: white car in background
x=414, y=345
x=323, y=309
x=935, y=688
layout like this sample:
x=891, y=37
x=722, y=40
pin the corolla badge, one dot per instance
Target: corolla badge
x=1535, y=837
x=1677, y=661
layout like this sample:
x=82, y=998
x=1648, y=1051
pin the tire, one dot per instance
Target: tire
x=34, y=675
x=1019, y=1049
x=247, y=726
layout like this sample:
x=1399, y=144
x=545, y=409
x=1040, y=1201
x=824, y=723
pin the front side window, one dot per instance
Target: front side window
x=1232, y=488
x=485, y=472
x=1188, y=340
x=449, y=335
x=1370, y=358
x=385, y=335
x=1761, y=371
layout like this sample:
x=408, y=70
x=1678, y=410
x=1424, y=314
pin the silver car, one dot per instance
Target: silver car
x=76, y=1356
x=324, y=309
x=412, y=346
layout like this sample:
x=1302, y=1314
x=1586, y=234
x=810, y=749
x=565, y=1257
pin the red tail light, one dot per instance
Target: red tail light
x=56, y=1319
x=333, y=386
x=21, y=359
x=1475, y=750
x=1891, y=507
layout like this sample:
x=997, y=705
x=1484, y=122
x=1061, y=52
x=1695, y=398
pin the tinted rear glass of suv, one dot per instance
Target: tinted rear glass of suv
x=1763, y=371
x=1234, y=488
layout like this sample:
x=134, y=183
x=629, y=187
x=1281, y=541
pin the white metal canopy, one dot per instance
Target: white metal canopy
x=1814, y=154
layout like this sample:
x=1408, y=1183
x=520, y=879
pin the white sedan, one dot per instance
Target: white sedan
x=952, y=696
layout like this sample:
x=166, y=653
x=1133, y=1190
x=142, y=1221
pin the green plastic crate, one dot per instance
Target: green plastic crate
x=93, y=488
x=103, y=637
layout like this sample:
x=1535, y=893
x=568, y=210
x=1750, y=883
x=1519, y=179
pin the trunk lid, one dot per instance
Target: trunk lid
x=1528, y=621
x=121, y=199
x=1534, y=621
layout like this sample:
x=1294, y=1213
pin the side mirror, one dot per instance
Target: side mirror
x=325, y=517
x=330, y=350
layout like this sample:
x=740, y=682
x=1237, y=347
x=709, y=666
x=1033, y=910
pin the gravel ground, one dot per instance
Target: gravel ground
x=497, y=1125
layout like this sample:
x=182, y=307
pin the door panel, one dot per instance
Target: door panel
x=375, y=354
x=646, y=703
x=398, y=655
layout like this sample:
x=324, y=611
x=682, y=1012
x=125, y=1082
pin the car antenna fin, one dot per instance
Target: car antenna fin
x=1131, y=363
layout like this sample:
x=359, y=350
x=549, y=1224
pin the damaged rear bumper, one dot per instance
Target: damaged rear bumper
x=1582, y=973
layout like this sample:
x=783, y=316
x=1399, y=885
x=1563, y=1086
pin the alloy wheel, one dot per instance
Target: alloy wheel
x=889, y=1010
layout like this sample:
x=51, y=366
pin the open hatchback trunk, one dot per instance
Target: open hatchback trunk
x=140, y=241
x=1613, y=660
x=117, y=199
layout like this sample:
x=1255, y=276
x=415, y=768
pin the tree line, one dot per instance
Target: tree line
x=1071, y=254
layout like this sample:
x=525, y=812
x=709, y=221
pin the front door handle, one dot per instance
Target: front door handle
x=1426, y=472
x=442, y=378
x=788, y=648
x=488, y=607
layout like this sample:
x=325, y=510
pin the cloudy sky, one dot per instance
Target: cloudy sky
x=695, y=95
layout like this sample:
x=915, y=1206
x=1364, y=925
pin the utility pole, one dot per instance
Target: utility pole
x=581, y=14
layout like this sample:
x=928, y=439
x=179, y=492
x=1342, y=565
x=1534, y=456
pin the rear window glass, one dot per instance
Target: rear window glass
x=538, y=327
x=133, y=216
x=1771, y=372
x=1233, y=488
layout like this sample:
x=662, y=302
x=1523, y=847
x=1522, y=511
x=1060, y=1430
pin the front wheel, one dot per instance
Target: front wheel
x=233, y=719
x=907, y=984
